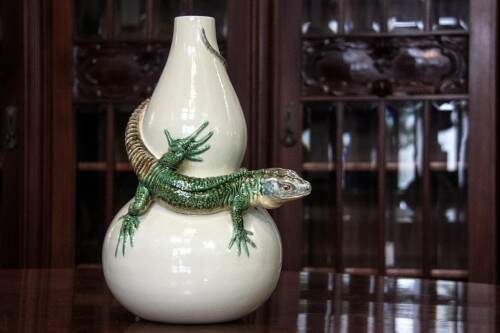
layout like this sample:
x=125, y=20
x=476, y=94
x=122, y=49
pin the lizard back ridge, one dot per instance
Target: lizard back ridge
x=139, y=156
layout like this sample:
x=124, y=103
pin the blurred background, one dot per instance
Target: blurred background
x=387, y=106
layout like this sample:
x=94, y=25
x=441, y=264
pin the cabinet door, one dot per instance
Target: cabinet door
x=11, y=134
x=119, y=50
x=385, y=103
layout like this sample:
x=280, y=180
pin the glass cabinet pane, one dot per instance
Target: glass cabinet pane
x=363, y=16
x=450, y=14
x=130, y=18
x=89, y=17
x=90, y=221
x=318, y=137
x=125, y=185
x=356, y=52
x=359, y=137
x=320, y=17
x=405, y=15
x=404, y=153
x=90, y=132
x=318, y=228
x=448, y=152
x=359, y=184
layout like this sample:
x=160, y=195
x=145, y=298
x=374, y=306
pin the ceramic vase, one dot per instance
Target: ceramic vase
x=180, y=269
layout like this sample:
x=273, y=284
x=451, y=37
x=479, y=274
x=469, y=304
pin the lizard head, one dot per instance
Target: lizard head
x=278, y=186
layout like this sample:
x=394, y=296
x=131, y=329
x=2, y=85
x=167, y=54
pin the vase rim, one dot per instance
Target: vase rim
x=194, y=17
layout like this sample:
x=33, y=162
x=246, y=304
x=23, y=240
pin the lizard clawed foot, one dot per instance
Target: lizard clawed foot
x=190, y=146
x=241, y=239
x=129, y=225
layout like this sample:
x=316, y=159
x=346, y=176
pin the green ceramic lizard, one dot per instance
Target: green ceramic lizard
x=159, y=180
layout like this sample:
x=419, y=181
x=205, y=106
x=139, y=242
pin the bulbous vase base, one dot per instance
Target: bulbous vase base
x=180, y=269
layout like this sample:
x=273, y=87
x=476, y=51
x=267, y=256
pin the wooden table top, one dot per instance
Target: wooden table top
x=79, y=301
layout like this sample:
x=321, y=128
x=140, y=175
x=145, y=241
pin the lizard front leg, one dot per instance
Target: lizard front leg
x=240, y=234
x=188, y=148
x=130, y=223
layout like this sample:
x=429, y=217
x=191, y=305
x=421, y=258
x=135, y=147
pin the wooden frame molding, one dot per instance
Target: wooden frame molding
x=482, y=180
x=286, y=89
x=249, y=52
x=46, y=226
x=11, y=160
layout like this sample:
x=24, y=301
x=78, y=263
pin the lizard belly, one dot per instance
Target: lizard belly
x=199, y=203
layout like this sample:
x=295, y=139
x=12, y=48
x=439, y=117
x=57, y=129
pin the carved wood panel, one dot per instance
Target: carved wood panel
x=384, y=66
x=117, y=71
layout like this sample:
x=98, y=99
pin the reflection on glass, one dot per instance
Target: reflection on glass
x=446, y=289
x=450, y=14
x=320, y=17
x=359, y=138
x=89, y=15
x=405, y=15
x=318, y=227
x=404, y=152
x=130, y=17
x=165, y=13
x=362, y=16
x=216, y=9
x=448, y=152
x=359, y=184
x=450, y=126
x=318, y=137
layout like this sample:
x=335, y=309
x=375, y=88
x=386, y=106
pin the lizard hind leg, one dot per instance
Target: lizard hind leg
x=127, y=230
x=130, y=221
x=240, y=235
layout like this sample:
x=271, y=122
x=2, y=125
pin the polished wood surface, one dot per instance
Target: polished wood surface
x=79, y=301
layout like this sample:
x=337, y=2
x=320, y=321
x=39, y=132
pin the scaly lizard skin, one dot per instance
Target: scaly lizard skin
x=236, y=192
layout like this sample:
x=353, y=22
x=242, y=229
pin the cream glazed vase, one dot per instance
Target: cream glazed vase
x=180, y=269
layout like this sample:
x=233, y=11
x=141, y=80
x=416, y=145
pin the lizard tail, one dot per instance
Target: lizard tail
x=139, y=156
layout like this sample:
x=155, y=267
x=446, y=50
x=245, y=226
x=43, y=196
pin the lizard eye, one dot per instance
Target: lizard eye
x=287, y=187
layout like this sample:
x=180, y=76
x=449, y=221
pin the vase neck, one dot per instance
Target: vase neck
x=188, y=31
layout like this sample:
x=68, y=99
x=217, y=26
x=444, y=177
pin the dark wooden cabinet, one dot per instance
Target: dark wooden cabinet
x=390, y=123
x=388, y=107
x=11, y=145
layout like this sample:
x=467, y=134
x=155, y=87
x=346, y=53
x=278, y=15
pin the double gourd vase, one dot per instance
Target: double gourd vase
x=180, y=268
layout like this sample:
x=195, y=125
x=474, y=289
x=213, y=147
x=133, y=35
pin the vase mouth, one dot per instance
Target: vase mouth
x=187, y=30
x=194, y=17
